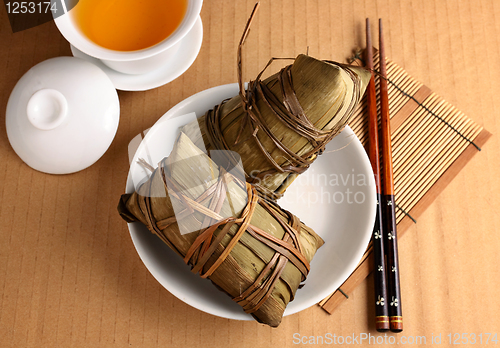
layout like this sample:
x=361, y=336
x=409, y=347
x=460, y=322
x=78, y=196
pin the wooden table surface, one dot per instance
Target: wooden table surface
x=69, y=273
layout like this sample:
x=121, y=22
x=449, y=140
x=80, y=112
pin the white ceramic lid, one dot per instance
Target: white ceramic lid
x=62, y=115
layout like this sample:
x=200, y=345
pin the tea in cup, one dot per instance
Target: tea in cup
x=129, y=36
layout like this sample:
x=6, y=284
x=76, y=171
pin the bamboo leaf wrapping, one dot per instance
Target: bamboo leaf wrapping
x=280, y=125
x=254, y=251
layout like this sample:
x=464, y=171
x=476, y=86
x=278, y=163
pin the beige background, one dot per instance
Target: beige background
x=70, y=276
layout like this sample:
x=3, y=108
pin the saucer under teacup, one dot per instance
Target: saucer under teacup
x=188, y=50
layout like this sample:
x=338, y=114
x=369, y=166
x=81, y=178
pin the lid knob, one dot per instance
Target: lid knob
x=47, y=109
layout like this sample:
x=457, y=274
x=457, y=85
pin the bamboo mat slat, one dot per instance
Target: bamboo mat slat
x=431, y=142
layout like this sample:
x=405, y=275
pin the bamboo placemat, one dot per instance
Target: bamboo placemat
x=431, y=142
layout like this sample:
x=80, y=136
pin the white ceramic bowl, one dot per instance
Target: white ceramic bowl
x=133, y=62
x=345, y=222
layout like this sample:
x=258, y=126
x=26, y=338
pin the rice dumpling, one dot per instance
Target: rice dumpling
x=280, y=125
x=248, y=247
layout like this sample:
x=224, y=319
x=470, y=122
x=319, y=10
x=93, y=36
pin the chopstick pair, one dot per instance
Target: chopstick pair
x=388, y=314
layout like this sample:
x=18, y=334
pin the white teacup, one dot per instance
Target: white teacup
x=132, y=62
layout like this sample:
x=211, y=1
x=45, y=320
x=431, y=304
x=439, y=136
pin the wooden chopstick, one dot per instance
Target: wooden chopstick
x=379, y=274
x=388, y=201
